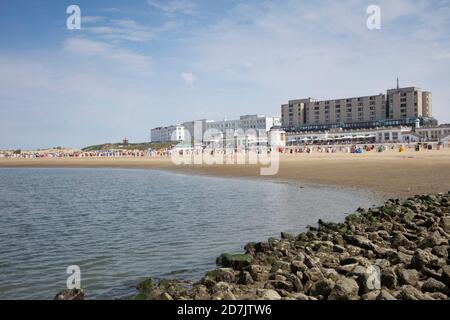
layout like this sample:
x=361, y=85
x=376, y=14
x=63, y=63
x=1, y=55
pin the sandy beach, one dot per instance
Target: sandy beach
x=389, y=174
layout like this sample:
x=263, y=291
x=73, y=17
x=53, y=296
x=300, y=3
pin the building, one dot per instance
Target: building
x=175, y=133
x=400, y=106
x=201, y=124
x=257, y=122
x=396, y=134
x=434, y=133
x=375, y=135
x=251, y=130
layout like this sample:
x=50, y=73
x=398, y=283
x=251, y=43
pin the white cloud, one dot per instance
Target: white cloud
x=174, y=7
x=127, y=30
x=122, y=29
x=91, y=19
x=123, y=57
x=188, y=78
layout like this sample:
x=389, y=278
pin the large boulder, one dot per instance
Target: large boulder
x=235, y=261
x=269, y=294
x=345, y=289
x=222, y=274
x=423, y=258
x=408, y=276
x=321, y=288
x=432, y=285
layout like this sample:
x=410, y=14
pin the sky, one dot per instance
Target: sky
x=139, y=64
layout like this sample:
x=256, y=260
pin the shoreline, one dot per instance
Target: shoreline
x=398, y=251
x=387, y=175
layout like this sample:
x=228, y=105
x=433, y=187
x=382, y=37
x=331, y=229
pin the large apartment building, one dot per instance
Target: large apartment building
x=397, y=104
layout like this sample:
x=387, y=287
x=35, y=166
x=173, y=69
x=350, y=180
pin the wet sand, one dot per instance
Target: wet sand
x=388, y=174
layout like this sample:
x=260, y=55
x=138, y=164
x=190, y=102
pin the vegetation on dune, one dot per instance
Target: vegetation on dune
x=130, y=146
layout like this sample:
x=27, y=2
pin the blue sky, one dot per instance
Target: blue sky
x=139, y=64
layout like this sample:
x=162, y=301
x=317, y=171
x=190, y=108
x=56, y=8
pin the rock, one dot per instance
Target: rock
x=440, y=251
x=229, y=296
x=422, y=258
x=262, y=247
x=297, y=283
x=269, y=294
x=301, y=296
x=235, y=261
x=222, y=274
x=445, y=278
x=258, y=273
x=385, y=295
x=438, y=296
x=287, y=236
x=371, y=295
x=408, y=276
x=164, y=296
x=388, y=278
x=432, y=240
x=313, y=274
x=70, y=294
x=445, y=223
x=367, y=279
x=400, y=240
x=297, y=266
x=433, y=285
x=282, y=285
x=245, y=278
x=339, y=249
x=409, y=293
x=359, y=241
x=321, y=288
x=200, y=293
x=344, y=289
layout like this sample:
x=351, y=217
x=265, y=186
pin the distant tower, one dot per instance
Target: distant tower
x=398, y=84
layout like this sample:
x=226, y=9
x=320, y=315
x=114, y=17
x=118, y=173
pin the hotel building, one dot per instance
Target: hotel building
x=217, y=129
x=174, y=133
x=400, y=106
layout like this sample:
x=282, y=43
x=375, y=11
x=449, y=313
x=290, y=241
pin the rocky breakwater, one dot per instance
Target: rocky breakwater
x=397, y=251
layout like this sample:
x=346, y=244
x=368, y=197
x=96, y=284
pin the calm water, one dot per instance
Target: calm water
x=121, y=226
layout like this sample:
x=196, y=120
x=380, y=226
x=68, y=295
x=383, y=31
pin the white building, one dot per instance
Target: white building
x=174, y=133
x=200, y=124
x=248, y=130
x=436, y=133
x=257, y=122
x=376, y=135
